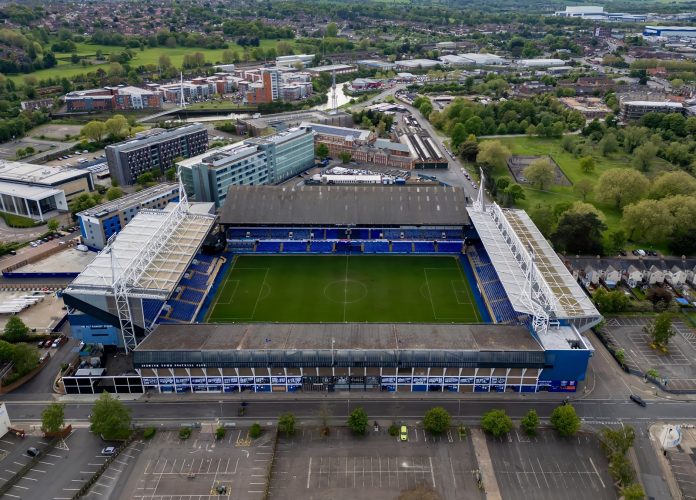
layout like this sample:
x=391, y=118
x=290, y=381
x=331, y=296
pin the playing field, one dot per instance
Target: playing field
x=345, y=289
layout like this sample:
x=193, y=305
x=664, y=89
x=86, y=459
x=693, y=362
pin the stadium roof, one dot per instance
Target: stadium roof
x=345, y=205
x=568, y=300
x=288, y=336
x=163, y=271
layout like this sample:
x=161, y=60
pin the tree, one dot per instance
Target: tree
x=145, y=178
x=579, y=233
x=321, y=151
x=621, y=186
x=617, y=441
x=633, y=491
x=673, y=184
x=15, y=330
x=164, y=62
x=660, y=330
x=608, y=144
x=496, y=423
x=114, y=193
x=286, y=424
x=660, y=298
x=648, y=219
x=544, y=218
x=458, y=135
x=644, y=156
x=331, y=30
x=436, y=420
x=530, y=423
x=540, y=173
x=610, y=302
x=621, y=469
x=565, y=420
x=116, y=126
x=52, y=418
x=512, y=193
x=357, y=421
x=493, y=154
x=53, y=225
x=587, y=164
x=584, y=187
x=25, y=358
x=345, y=156
x=634, y=137
x=94, y=131
x=469, y=149
x=170, y=173
x=110, y=418
x=84, y=202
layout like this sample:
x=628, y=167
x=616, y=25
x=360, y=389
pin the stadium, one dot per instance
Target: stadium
x=331, y=288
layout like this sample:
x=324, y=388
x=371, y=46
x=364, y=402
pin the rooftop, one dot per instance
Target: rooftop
x=163, y=270
x=279, y=138
x=349, y=205
x=290, y=336
x=666, y=104
x=28, y=192
x=28, y=173
x=129, y=200
x=344, y=132
x=155, y=138
x=567, y=299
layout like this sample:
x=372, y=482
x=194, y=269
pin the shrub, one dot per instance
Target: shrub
x=149, y=433
x=393, y=430
x=185, y=433
x=530, y=422
x=255, y=431
x=565, y=420
x=436, y=420
x=220, y=433
x=357, y=421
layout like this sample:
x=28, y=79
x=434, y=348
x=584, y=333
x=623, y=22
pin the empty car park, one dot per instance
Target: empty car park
x=550, y=467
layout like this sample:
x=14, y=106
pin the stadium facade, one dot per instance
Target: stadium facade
x=532, y=342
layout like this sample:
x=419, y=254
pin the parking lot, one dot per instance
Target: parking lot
x=345, y=466
x=677, y=366
x=550, y=467
x=168, y=468
x=60, y=472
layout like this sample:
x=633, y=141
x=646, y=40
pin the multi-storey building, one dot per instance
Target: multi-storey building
x=112, y=99
x=99, y=223
x=266, y=160
x=154, y=150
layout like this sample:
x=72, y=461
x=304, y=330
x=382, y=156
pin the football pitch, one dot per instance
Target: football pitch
x=373, y=289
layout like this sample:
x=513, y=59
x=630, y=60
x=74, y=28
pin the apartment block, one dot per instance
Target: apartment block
x=156, y=149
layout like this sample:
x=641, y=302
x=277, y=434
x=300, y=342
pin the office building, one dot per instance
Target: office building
x=306, y=60
x=154, y=150
x=99, y=223
x=39, y=191
x=257, y=161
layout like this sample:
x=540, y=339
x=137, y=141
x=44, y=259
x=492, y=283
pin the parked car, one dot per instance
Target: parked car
x=403, y=435
x=637, y=399
x=12, y=252
x=622, y=252
x=108, y=451
x=55, y=344
x=33, y=452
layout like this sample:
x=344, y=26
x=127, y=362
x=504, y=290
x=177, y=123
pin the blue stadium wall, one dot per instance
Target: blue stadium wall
x=566, y=369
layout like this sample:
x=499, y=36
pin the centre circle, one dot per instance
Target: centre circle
x=345, y=291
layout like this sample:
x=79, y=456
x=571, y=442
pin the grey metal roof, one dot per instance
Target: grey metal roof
x=239, y=336
x=345, y=205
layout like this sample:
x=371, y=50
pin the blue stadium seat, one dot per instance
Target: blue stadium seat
x=321, y=247
x=294, y=246
x=151, y=308
x=449, y=246
x=191, y=295
x=268, y=247
x=402, y=247
x=181, y=310
x=360, y=234
x=424, y=247
x=379, y=246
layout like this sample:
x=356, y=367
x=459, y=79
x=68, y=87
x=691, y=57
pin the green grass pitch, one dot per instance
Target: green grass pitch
x=373, y=289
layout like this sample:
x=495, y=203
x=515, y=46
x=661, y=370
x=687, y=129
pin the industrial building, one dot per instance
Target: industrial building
x=155, y=149
x=39, y=191
x=264, y=160
x=670, y=31
x=417, y=64
x=484, y=59
x=99, y=223
x=596, y=13
x=540, y=63
x=306, y=60
x=376, y=64
x=339, y=69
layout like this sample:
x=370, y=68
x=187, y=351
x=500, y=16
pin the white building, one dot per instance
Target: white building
x=484, y=59
x=670, y=31
x=288, y=61
x=540, y=63
x=454, y=60
x=417, y=63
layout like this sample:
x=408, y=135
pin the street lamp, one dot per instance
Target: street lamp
x=333, y=343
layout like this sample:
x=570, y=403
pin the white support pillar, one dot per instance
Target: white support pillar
x=26, y=204
x=38, y=205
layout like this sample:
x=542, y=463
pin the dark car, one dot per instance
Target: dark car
x=33, y=452
x=651, y=253
x=638, y=400
x=622, y=253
